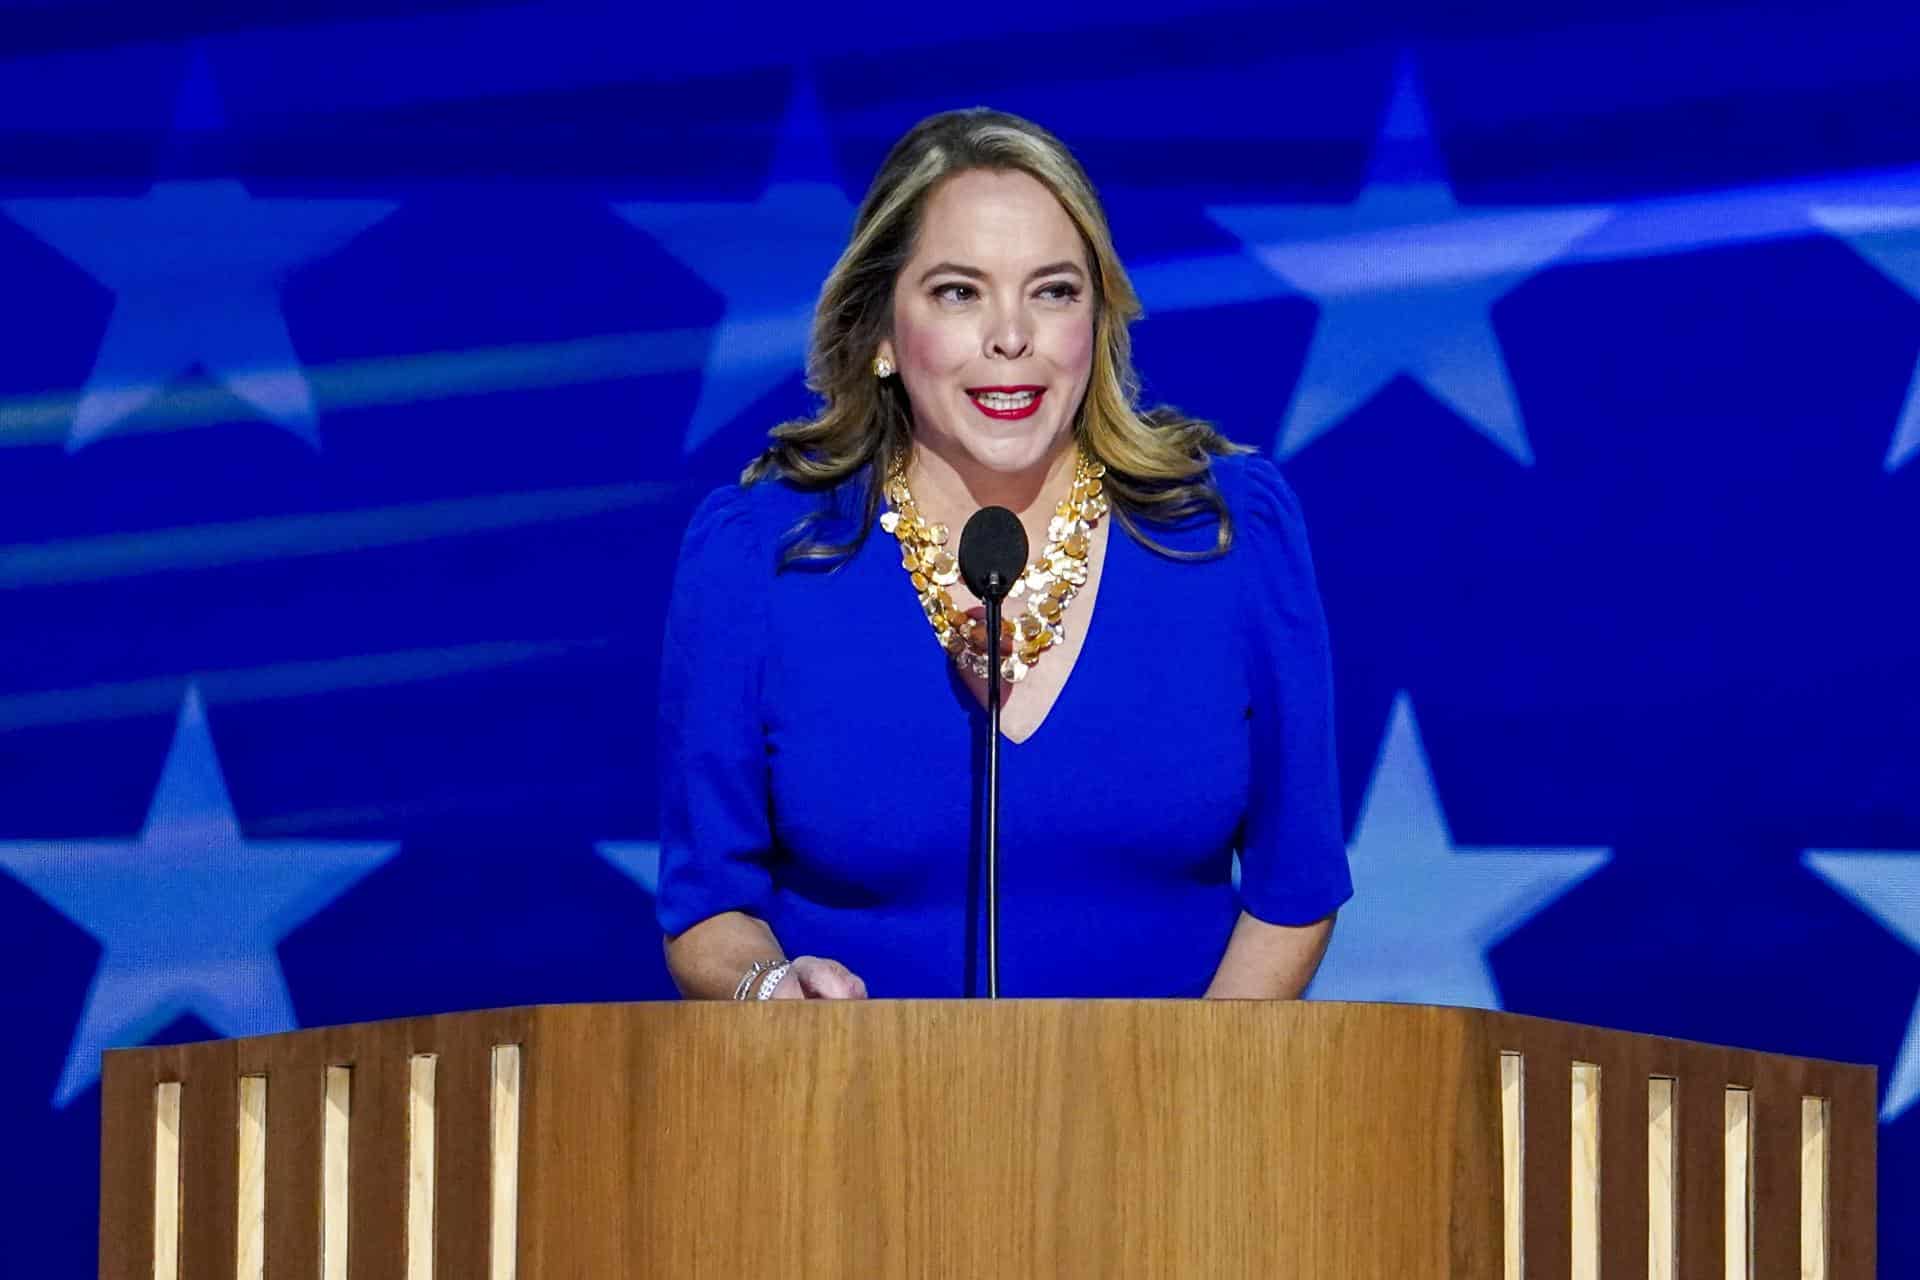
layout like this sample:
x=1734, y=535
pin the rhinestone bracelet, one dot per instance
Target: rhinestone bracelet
x=772, y=980
x=746, y=982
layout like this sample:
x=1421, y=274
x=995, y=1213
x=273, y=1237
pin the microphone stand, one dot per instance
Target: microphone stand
x=996, y=590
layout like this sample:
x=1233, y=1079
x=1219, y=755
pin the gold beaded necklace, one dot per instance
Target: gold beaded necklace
x=1048, y=585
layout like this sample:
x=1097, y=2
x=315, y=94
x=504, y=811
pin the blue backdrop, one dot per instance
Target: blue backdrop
x=360, y=371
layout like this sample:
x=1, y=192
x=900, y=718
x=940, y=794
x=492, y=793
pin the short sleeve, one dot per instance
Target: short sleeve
x=715, y=834
x=1293, y=857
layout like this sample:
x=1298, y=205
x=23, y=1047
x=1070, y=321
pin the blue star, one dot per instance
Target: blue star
x=639, y=859
x=196, y=267
x=1405, y=279
x=766, y=258
x=1887, y=887
x=1888, y=236
x=188, y=916
x=1427, y=912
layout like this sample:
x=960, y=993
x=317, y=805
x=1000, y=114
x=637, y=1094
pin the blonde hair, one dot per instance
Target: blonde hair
x=1157, y=461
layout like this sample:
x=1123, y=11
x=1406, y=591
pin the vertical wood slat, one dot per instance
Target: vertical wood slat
x=504, y=1216
x=1513, y=1169
x=1813, y=1189
x=1661, y=1163
x=1852, y=1144
x=461, y=1144
x=1549, y=1165
x=1624, y=1069
x=1583, y=1184
x=209, y=1158
x=166, y=1180
x=421, y=1168
x=295, y=1092
x=127, y=1087
x=336, y=1172
x=376, y=1146
x=250, y=1181
x=1700, y=1120
x=1737, y=1189
x=1773, y=1129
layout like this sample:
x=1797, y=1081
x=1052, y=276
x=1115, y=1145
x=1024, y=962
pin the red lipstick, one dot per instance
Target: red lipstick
x=1010, y=404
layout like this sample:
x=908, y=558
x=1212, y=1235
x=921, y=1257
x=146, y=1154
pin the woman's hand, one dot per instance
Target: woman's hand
x=818, y=978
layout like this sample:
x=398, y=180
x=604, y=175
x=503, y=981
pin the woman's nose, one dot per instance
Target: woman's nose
x=1010, y=337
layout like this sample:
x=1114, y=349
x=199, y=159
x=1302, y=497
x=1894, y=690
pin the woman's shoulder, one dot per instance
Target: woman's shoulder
x=1258, y=499
x=749, y=521
x=742, y=504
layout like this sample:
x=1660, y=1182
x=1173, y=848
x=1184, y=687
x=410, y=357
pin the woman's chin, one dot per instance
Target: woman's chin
x=1010, y=455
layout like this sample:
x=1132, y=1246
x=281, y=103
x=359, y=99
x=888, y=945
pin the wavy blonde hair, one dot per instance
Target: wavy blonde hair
x=1157, y=461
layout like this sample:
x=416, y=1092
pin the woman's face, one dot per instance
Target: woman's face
x=993, y=323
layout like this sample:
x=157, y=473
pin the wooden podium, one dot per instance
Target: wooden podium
x=974, y=1139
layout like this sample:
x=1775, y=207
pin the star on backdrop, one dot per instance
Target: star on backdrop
x=1405, y=279
x=189, y=915
x=1888, y=236
x=1433, y=909
x=196, y=267
x=638, y=859
x=1887, y=887
x=766, y=259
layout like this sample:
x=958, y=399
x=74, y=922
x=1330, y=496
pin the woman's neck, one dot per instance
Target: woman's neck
x=949, y=490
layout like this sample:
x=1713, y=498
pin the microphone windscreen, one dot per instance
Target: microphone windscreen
x=993, y=543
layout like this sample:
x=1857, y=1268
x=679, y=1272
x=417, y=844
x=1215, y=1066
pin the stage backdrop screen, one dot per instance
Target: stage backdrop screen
x=362, y=364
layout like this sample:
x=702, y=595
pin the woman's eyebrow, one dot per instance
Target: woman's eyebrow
x=975, y=273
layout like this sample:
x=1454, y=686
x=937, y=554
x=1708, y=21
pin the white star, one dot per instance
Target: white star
x=1888, y=236
x=197, y=268
x=639, y=859
x=189, y=916
x=766, y=258
x=1887, y=887
x=1424, y=912
x=1405, y=279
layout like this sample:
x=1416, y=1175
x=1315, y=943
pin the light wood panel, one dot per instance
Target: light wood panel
x=1813, y=1189
x=1737, y=1191
x=166, y=1180
x=1660, y=1179
x=1513, y=1168
x=422, y=1167
x=336, y=1172
x=503, y=1116
x=250, y=1210
x=1584, y=1190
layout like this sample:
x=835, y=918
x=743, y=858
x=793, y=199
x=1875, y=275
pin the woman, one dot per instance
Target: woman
x=823, y=682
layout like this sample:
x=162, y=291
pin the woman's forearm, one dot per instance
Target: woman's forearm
x=1269, y=961
x=708, y=960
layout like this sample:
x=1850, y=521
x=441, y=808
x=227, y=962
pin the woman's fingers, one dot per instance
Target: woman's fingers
x=822, y=979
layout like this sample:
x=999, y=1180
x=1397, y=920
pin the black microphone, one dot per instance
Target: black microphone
x=993, y=552
x=993, y=555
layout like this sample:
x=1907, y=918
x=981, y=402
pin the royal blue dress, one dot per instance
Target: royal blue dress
x=821, y=759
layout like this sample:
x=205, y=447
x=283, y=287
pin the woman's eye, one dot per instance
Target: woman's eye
x=1060, y=291
x=954, y=292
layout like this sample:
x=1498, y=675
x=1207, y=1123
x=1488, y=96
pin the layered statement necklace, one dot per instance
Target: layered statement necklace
x=1047, y=586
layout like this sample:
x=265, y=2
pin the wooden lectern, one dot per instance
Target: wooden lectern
x=975, y=1139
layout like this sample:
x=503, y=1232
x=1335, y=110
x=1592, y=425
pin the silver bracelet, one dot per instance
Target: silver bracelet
x=772, y=980
x=759, y=967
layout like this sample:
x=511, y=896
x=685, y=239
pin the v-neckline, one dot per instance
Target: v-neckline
x=1092, y=601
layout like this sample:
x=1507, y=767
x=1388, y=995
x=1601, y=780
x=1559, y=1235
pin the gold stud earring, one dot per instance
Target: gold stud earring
x=882, y=367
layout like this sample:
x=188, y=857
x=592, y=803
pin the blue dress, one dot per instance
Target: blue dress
x=822, y=760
